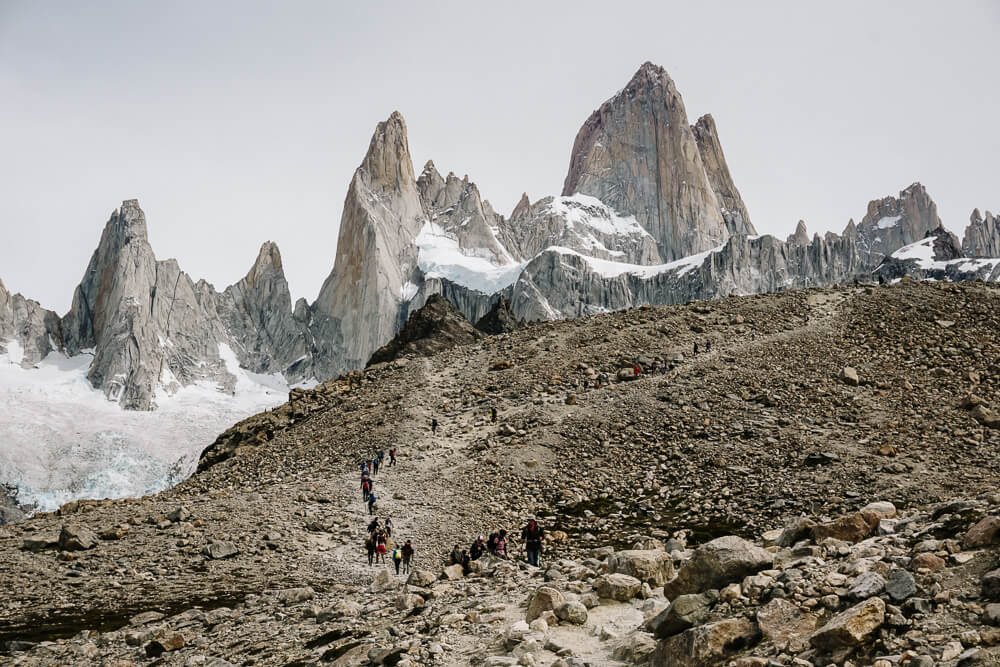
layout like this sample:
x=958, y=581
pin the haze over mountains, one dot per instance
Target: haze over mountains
x=649, y=214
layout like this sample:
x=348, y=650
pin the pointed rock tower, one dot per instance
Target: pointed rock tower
x=359, y=305
x=28, y=332
x=734, y=211
x=638, y=154
x=982, y=236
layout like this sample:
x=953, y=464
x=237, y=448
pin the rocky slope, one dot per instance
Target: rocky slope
x=847, y=434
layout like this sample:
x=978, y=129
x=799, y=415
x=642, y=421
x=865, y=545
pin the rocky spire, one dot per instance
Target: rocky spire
x=801, y=236
x=638, y=154
x=28, y=332
x=982, y=236
x=893, y=222
x=734, y=211
x=359, y=305
x=257, y=313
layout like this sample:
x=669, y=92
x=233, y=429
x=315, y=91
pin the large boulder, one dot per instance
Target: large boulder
x=852, y=627
x=848, y=528
x=686, y=611
x=983, y=534
x=651, y=567
x=76, y=538
x=780, y=620
x=217, y=550
x=619, y=587
x=574, y=612
x=543, y=599
x=706, y=645
x=421, y=578
x=717, y=563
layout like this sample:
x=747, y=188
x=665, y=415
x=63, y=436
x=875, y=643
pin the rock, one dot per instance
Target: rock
x=163, y=641
x=436, y=326
x=984, y=533
x=383, y=581
x=717, y=563
x=179, y=514
x=40, y=543
x=635, y=648
x=452, y=573
x=851, y=627
x=927, y=561
x=652, y=567
x=76, y=538
x=219, y=550
x=850, y=376
x=867, y=585
x=991, y=614
x=686, y=611
x=626, y=374
x=849, y=528
x=421, y=578
x=883, y=508
x=706, y=645
x=500, y=319
x=799, y=529
x=991, y=585
x=296, y=595
x=900, y=585
x=619, y=587
x=573, y=611
x=543, y=599
x=780, y=620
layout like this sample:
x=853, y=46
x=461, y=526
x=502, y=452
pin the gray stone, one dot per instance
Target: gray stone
x=219, y=550
x=76, y=538
x=573, y=611
x=866, y=585
x=686, y=611
x=717, y=563
x=900, y=585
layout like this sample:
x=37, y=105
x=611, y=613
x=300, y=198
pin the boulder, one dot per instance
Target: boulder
x=868, y=584
x=797, y=530
x=421, y=578
x=991, y=585
x=983, y=534
x=218, y=550
x=619, y=587
x=849, y=376
x=76, y=538
x=780, y=620
x=717, y=563
x=452, y=573
x=163, y=641
x=573, y=611
x=851, y=627
x=900, y=585
x=383, y=581
x=927, y=561
x=296, y=595
x=706, y=645
x=686, y=611
x=651, y=567
x=543, y=599
x=848, y=528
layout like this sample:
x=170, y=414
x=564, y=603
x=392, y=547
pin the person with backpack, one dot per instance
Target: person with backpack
x=456, y=556
x=380, y=549
x=375, y=464
x=371, y=503
x=366, y=487
x=491, y=542
x=477, y=549
x=370, y=548
x=493, y=415
x=501, y=545
x=434, y=426
x=392, y=457
x=387, y=526
x=407, y=556
x=532, y=536
x=397, y=558
x=464, y=562
x=373, y=526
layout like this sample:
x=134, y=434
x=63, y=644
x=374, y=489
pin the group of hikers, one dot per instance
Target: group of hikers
x=369, y=468
x=532, y=536
x=379, y=543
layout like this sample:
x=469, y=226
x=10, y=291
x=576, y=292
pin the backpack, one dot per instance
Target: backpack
x=492, y=542
x=397, y=554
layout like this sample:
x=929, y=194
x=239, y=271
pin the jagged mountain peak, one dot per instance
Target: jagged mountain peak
x=268, y=260
x=388, y=164
x=801, y=235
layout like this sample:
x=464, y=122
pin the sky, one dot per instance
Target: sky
x=234, y=123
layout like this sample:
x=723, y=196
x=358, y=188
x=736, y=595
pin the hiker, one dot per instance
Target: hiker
x=532, y=536
x=392, y=457
x=500, y=549
x=371, y=503
x=407, y=556
x=387, y=526
x=370, y=548
x=373, y=526
x=381, y=456
x=434, y=426
x=366, y=488
x=364, y=467
x=380, y=547
x=464, y=562
x=708, y=346
x=456, y=556
x=696, y=348
x=637, y=370
x=397, y=558
x=478, y=548
x=491, y=542
x=493, y=415
x=375, y=464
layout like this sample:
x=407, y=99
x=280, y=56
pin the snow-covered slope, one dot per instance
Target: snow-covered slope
x=61, y=439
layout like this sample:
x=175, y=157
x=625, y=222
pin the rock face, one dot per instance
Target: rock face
x=936, y=257
x=359, y=305
x=734, y=211
x=982, y=236
x=501, y=319
x=893, y=222
x=257, y=313
x=638, y=154
x=28, y=332
x=435, y=327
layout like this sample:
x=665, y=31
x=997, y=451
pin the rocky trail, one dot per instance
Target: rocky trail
x=259, y=558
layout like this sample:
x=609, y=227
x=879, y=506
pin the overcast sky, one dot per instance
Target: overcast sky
x=238, y=122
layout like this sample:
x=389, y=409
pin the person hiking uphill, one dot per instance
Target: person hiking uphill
x=387, y=526
x=366, y=488
x=370, y=548
x=407, y=556
x=397, y=558
x=478, y=548
x=532, y=536
x=434, y=426
x=493, y=415
x=392, y=457
x=371, y=503
x=373, y=526
x=375, y=464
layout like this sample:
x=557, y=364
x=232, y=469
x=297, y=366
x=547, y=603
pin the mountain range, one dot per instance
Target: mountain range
x=648, y=214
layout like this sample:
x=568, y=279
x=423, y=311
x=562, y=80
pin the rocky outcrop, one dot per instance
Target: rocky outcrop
x=734, y=211
x=937, y=257
x=982, y=236
x=501, y=319
x=800, y=236
x=360, y=305
x=893, y=222
x=28, y=332
x=257, y=313
x=638, y=154
x=435, y=327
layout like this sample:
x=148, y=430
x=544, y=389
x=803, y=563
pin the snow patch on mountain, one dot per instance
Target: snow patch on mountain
x=923, y=253
x=608, y=269
x=440, y=256
x=63, y=440
x=888, y=222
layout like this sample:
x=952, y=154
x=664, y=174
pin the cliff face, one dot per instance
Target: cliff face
x=28, y=332
x=638, y=154
x=982, y=236
x=360, y=305
x=893, y=222
x=734, y=211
